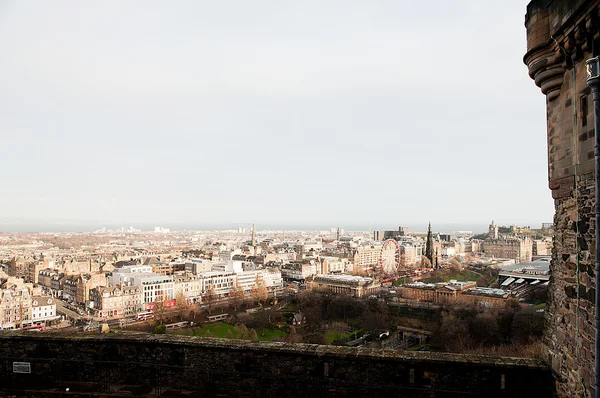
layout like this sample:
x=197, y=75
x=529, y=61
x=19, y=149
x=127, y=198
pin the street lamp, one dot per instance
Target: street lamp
x=592, y=66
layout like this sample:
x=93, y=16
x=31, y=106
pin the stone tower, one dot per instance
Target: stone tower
x=493, y=231
x=560, y=35
x=429, y=245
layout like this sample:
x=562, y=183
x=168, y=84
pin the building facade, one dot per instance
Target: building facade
x=367, y=256
x=560, y=37
x=355, y=286
x=116, y=301
x=518, y=248
x=43, y=309
x=454, y=292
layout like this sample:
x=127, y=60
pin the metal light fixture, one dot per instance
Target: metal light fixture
x=592, y=67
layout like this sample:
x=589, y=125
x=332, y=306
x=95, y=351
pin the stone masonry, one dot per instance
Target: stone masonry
x=180, y=366
x=560, y=34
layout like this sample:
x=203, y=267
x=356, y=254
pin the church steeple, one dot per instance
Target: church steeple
x=253, y=236
x=429, y=245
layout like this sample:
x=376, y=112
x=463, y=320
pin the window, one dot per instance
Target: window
x=583, y=109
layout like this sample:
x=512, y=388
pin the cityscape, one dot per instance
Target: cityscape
x=162, y=280
x=300, y=199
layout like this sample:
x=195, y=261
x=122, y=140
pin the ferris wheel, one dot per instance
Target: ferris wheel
x=390, y=256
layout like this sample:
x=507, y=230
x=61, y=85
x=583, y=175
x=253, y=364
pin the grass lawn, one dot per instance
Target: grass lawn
x=270, y=334
x=220, y=330
x=332, y=335
x=446, y=275
x=539, y=306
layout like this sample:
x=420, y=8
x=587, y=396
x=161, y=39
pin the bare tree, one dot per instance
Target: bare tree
x=425, y=262
x=261, y=321
x=455, y=264
x=259, y=292
x=159, y=307
x=242, y=332
x=253, y=335
x=311, y=306
x=293, y=336
x=237, y=296
x=183, y=306
x=210, y=298
x=358, y=271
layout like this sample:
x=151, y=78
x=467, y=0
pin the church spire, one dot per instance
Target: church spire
x=429, y=245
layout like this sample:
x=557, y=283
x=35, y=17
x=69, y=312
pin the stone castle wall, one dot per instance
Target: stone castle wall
x=164, y=365
x=559, y=40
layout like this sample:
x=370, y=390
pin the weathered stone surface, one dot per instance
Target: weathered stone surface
x=559, y=37
x=216, y=367
x=570, y=312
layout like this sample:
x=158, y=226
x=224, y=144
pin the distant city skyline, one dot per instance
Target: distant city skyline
x=90, y=226
x=290, y=113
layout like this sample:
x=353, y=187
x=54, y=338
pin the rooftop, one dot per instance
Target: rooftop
x=345, y=278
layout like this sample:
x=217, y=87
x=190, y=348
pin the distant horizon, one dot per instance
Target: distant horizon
x=80, y=226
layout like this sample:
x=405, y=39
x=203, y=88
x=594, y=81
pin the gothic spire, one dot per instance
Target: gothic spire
x=429, y=245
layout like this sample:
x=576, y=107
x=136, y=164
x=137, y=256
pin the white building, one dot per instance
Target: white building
x=299, y=271
x=190, y=285
x=367, y=256
x=155, y=287
x=272, y=278
x=196, y=265
x=120, y=275
x=247, y=279
x=448, y=251
x=43, y=308
x=222, y=282
x=228, y=266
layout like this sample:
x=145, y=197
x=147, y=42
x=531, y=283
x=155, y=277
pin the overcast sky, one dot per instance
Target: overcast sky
x=288, y=112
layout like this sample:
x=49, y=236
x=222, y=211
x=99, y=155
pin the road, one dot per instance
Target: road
x=61, y=309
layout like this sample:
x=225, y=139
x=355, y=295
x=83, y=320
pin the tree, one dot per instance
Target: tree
x=425, y=262
x=484, y=329
x=455, y=264
x=236, y=296
x=253, y=335
x=527, y=326
x=293, y=336
x=242, y=332
x=259, y=292
x=376, y=317
x=210, y=298
x=261, y=321
x=343, y=307
x=311, y=306
x=160, y=329
x=183, y=306
x=358, y=271
x=315, y=338
x=159, y=307
x=452, y=331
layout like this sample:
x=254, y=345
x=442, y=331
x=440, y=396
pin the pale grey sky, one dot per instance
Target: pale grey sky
x=270, y=111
